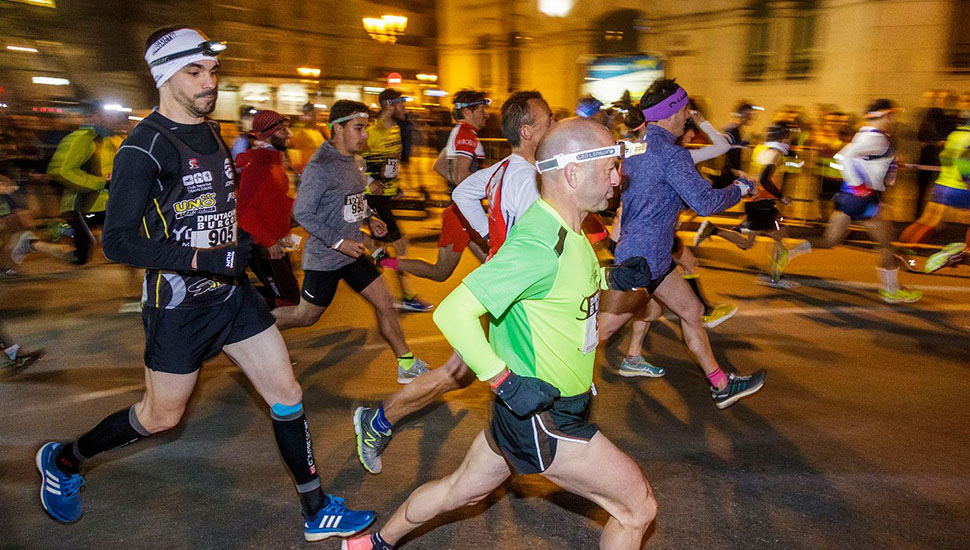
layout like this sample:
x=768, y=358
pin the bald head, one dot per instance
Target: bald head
x=571, y=136
x=583, y=186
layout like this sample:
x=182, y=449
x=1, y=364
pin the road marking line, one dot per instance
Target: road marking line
x=82, y=398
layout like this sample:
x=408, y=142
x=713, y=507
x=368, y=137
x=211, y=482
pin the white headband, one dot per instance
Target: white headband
x=172, y=43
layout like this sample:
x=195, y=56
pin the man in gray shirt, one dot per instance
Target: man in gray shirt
x=331, y=207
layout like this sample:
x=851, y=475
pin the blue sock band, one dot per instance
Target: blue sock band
x=282, y=411
x=381, y=422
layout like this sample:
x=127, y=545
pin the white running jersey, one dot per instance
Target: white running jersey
x=869, y=160
x=511, y=188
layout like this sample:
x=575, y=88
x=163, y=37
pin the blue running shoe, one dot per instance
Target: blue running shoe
x=60, y=493
x=335, y=520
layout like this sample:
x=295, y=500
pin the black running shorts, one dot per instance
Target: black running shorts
x=761, y=215
x=529, y=444
x=319, y=287
x=381, y=205
x=178, y=341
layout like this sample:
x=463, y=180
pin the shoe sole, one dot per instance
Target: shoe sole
x=314, y=537
x=38, y=461
x=633, y=374
x=697, y=236
x=360, y=441
x=728, y=402
x=407, y=309
x=717, y=322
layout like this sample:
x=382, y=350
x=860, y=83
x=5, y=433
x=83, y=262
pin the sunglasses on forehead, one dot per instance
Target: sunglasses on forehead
x=209, y=47
x=622, y=149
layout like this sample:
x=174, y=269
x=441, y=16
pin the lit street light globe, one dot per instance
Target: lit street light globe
x=556, y=8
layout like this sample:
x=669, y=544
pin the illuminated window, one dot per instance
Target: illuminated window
x=616, y=33
x=759, y=41
x=801, y=58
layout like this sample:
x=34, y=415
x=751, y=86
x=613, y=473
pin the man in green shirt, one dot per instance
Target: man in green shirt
x=541, y=291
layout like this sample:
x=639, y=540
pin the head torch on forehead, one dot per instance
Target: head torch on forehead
x=351, y=116
x=395, y=101
x=465, y=105
x=621, y=149
x=209, y=47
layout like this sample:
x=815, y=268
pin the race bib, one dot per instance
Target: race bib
x=354, y=208
x=390, y=169
x=212, y=230
x=592, y=328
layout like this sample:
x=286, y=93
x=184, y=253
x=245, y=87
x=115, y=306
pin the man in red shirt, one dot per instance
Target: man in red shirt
x=264, y=207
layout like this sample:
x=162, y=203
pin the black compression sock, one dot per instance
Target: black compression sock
x=293, y=439
x=379, y=543
x=116, y=430
x=692, y=280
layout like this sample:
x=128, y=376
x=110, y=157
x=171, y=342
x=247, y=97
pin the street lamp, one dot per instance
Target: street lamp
x=386, y=29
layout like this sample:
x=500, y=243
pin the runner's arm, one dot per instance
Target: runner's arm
x=468, y=196
x=134, y=173
x=719, y=144
x=318, y=208
x=768, y=173
x=682, y=175
x=72, y=153
x=457, y=316
x=461, y=168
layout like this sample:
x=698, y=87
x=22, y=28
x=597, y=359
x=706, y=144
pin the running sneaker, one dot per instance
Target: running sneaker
x=416, y=305
x=718, y=314
x=406, y=376
x=638, y=366
x=379, y=255
x=703, y=232
x=737, y=388
x=335, y=520
x=779, y=261
x=60, y=492
x=370, y=441
x=900, y=295
x=951, y=255
x=23, y=247
x=363, y=542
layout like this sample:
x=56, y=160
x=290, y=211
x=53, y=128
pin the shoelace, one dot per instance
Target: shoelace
x=336, y=504
x=72, y=486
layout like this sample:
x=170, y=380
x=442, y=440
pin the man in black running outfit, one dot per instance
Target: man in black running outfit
x=172, y=210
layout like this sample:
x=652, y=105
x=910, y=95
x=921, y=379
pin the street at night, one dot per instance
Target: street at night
x=858, y=439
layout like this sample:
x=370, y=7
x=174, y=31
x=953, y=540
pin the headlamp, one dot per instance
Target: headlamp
x=622, y=149
x=465, y=105
x=397, y=100
x=209, y=47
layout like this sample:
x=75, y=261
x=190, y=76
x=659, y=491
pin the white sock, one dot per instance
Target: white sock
x=889, y=278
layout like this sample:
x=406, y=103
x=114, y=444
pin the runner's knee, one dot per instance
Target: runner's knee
x=156, y=418
x=639, y=509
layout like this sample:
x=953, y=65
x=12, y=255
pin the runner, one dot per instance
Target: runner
x=265, y=207
x=383, y=157
x=634, y=364
x=307, y=138
x=868, y=168
x=82, y=165
x=541, y=291
x=661, y=179
x=949, y=196
x=463, y=155
x=731, y=170
x=511, y=187
x=172, y=211
x=761, y=213
x=332, y=208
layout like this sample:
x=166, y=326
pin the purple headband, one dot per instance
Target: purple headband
x=667, y=106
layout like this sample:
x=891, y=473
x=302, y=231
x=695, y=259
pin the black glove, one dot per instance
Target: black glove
x=526, y=395
x=228, y=259
x=632, y=273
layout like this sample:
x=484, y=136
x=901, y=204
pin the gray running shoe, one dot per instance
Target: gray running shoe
x=406, y=376
x=370, y=441
x=737, y=388
x=23, y=247
x=638, y=366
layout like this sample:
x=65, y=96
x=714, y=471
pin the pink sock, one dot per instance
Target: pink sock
x=390, y=263
x=717, y=378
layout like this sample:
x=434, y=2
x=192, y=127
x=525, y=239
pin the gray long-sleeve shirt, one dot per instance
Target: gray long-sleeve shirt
x=661, y=179
x=330, y=206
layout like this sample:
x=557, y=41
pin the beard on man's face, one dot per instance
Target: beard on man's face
x=201, y=104
x=278, y=143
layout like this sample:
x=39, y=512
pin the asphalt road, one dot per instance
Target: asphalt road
x=858, y=440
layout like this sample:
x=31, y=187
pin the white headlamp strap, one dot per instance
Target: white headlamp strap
x=351, y=116
x=171, y=44
x=622, y=149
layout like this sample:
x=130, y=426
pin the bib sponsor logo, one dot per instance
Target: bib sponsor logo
x=200, y=287
x=193, y=164
x=213, y=230
x=197, y=182
x=202, y=204
x=227, y=170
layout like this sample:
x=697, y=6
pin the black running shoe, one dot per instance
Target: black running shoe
x=737, y=388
